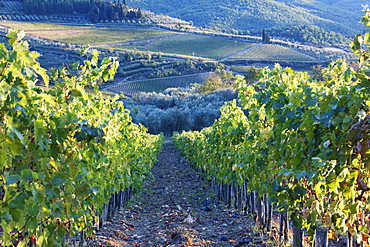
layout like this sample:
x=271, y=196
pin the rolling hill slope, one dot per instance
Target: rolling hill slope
x=340, y=16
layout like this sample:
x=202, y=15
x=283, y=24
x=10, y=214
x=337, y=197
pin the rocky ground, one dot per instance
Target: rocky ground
x=177, y=208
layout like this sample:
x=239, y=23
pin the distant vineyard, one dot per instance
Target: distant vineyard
x=159, y=84
x=273, y=52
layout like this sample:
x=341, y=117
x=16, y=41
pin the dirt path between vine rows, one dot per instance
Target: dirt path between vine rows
x=177, y=208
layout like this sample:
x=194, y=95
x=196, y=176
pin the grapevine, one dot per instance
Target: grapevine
x=302, y=142
x=63, y=151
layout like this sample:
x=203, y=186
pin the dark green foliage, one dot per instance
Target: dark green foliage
x=44, y=7
x=261, y=14
x=265, y=37
x=103, y=10
x=252, y=74
x=305, y=33
x=98, y=9
x=222, y=79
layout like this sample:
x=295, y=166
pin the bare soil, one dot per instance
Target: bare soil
x=176, y=207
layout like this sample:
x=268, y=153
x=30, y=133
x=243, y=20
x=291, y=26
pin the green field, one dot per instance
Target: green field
x=88, y=35
x=31, y=26
x=101, y=36
x=273, y=53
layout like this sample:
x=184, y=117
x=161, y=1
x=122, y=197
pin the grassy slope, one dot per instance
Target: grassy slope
x=87, y=35
x=256, y=14
x=104, y=35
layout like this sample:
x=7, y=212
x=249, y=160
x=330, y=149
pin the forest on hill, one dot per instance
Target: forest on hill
x=315, y=22
x=331, y=15
x=97, y=10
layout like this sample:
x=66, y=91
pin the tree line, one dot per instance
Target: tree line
x=97, y=9
x=306, y=33
x=103, y=10
x=45, y=7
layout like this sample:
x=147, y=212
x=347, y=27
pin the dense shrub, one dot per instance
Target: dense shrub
x=177, y=109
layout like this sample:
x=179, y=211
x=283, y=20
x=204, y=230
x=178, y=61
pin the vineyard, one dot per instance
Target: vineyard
x=271, y=52
x=69, y=159
x=159, y=84
x=294, y=148
x=195, y=45
x=298, y=146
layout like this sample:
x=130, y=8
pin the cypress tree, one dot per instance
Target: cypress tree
x=265, y=37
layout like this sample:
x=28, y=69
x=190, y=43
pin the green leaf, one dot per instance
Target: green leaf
x=287, y=173
x=38, y=195
x=39, y=127
x=12, y=130
x=310, y=135
x=33, y=210
x=95, y=57
x=21, y=244
x=356, y=45
x=95, y=190
x=18, y=201
x=12, y=179
x=51, y=191
x=16, y=214
x=26, y=174
x=367, y=38
x=301, y=175
x=14, y=36
x=59, y=179
x=347, y=119
x=341, y=177
x=366, y=19
x=84, y=50
x=57, y=211
x=7, y=217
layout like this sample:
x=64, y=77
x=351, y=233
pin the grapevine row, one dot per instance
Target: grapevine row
x=274, y=52
x=63, y=152
x=159, y=84
x=302, y=143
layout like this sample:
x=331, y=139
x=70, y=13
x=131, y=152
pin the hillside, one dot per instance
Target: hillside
x=350, y=5
x=331, y=15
